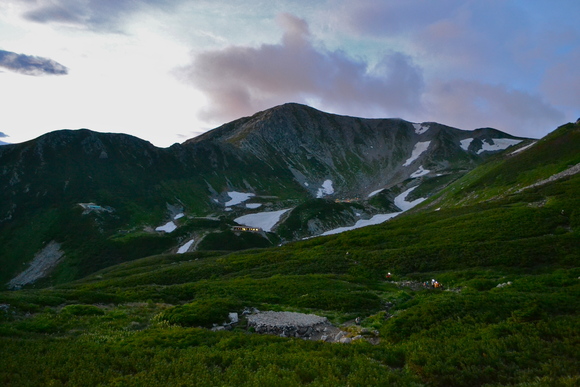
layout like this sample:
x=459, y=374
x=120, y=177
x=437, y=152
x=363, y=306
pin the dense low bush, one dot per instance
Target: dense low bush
x=83, y=310
x=202, y=313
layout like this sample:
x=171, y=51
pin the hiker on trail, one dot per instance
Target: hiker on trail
x=388, y=275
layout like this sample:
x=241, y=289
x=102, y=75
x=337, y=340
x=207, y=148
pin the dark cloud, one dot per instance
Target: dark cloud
x=241, y=80
x=30, y=65
x=93, y=14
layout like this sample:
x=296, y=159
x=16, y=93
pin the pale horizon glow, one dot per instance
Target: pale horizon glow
x=166, y=71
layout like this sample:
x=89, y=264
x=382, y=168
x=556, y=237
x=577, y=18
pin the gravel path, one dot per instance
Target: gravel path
x=568, y=172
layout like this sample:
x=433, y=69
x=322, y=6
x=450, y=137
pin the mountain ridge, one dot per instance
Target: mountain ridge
x=282, y=158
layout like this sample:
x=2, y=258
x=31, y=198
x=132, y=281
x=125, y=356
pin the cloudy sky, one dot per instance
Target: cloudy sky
x=167, y=70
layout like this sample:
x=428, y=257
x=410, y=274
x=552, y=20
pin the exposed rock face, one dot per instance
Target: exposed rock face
x=42, y=264
x=358, y=155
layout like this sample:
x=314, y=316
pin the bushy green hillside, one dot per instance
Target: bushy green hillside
x=504, y=241
x=512, y=171
x=507, y=315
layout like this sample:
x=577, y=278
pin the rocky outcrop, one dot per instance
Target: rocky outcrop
x=300, y=325
x=288, y=324
x=42, y=264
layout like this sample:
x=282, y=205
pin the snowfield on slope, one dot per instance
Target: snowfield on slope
x=326, y=189
x=264, y=220
x=403, y=204
x=465, y=143
x=523, y=148
x=183, y=249
x=238, y=198
x=498, y=144
x=419, y=148
x=421, y=128
x=376, y=219
x=167, y=227
x=400, y=201
x=374, y=193
x=419, y=172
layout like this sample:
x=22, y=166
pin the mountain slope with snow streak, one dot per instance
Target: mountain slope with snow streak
x=278, y=158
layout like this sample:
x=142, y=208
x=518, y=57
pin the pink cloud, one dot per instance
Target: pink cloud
x=240, y=80
x=471, y=104
x=562, y=81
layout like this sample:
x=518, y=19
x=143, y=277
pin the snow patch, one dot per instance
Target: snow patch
x=498, y=144
x=403, y=204
x=465, y=143
x=420, y=172
x=326, y=189
x=183, y=249
x=400, y=201
x=419, y=148
x=377, y=219
x=253, y=206
x=179, y=216
x=237, y=198
x=264, y=220
x=374, y=193
x=167, y=227
x=421, y=128
x=522, y=148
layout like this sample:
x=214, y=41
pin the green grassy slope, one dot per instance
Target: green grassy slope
x=508, y=173
x=137, y=333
